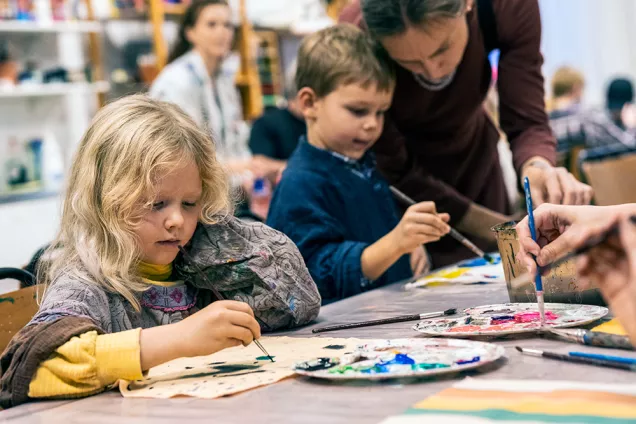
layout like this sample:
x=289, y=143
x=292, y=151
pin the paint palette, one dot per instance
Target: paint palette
x=401, y=358
x=510, y=318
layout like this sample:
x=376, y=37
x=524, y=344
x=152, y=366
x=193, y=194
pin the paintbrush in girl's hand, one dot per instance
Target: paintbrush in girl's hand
x=401, y=318
x=218, y=295
x=453, y=232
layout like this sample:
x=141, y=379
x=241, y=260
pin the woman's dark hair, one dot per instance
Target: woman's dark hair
x=385, y=18
x=190, y=18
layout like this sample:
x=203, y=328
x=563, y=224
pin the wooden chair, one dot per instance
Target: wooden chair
x=612, y=174
x=16, y=310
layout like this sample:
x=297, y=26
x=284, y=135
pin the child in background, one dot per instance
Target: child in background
x=331, y=201
x=120, y=298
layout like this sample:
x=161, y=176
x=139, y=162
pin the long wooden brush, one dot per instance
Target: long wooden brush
x=453, y=232
x=401, y=318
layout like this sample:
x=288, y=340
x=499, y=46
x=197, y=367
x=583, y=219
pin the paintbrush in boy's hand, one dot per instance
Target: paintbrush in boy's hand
x=453, y=232
x=218, y=295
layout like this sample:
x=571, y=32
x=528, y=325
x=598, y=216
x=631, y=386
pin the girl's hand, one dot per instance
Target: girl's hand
x=222, y=324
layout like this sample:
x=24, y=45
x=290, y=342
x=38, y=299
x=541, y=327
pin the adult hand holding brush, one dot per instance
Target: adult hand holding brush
x=604, y=238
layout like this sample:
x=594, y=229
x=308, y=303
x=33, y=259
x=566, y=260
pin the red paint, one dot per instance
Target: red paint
x=534, y=317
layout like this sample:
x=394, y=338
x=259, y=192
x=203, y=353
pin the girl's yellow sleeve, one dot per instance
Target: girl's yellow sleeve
x=87, y=364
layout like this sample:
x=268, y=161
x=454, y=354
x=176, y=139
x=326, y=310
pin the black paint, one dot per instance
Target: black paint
x=317, y=364
x=227, y=369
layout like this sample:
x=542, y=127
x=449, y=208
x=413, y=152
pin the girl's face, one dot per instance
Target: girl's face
x=172, y=218
x=213, y=31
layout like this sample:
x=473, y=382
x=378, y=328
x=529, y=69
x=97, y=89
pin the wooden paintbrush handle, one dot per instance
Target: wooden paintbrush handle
x=402, y=318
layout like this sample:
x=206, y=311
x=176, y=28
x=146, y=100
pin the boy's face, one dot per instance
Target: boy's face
x=172, y=219
x=348, y=120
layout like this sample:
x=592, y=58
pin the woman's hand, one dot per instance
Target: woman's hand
x=561, y=229
x=612, y=268
x=554, y=185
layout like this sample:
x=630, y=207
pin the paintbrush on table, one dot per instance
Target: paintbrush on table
x=453, y=232
x=592, y=338
x=401, y=318
x=618, y=362
x=218, y=295
x=533, y=232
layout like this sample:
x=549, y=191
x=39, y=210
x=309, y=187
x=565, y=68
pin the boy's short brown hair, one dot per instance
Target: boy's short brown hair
x=341, y=55
x=565, y=81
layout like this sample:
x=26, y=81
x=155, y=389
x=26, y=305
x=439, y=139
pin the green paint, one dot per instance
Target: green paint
x=426, y=366
x=334, y=347
x=506, y=415
x=7, y=299
x=264, y=358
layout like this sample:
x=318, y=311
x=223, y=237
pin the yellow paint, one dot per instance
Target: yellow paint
x=612, y=327
x=532, y=403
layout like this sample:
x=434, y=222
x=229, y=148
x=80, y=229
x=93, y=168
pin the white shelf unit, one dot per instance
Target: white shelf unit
x=52, y=26
x=29, y=220
x=54, y=89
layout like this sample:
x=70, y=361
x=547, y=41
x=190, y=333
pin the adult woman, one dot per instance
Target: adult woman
x=196, y=81
x=438, y=143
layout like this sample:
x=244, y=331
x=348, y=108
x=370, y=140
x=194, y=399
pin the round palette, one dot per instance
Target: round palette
x=510, y=318
x=400, y=358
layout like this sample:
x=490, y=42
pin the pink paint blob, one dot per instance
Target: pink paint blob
x=534, y=317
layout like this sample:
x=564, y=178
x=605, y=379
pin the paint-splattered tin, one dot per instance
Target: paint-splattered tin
x=559, y=286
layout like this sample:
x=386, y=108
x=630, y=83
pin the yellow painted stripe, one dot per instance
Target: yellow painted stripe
x=532, y=404
x=562, y=395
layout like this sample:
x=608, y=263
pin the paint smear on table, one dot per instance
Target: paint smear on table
x=525, y=401
x=233, y=370
x=472, y=271
x=511, y=318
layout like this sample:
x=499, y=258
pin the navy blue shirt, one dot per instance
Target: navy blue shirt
x=333, y=208
x=276, y=134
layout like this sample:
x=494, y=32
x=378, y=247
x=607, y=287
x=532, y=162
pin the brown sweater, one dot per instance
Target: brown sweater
x=442, y=146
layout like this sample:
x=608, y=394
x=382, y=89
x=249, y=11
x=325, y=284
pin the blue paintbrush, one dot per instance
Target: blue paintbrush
x=533, y=232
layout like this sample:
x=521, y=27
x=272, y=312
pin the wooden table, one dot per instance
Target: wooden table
x=300, y=400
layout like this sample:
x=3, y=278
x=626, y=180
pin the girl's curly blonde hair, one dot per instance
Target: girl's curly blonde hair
x=129, y=145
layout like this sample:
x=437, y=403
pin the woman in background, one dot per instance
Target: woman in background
x=196, y=81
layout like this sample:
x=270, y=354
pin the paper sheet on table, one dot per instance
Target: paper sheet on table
x=473, y=401
x=234, y=370
x=462, y=275
x=613, y=327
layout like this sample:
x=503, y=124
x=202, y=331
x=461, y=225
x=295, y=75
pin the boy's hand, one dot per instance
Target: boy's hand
x=420, y=224
x=419, y=262
x=222, y=324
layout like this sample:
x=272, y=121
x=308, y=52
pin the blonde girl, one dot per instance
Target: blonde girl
x=120, y=298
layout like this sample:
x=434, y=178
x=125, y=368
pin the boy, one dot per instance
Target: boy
x=331, y=200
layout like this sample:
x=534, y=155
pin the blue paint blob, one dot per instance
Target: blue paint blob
x=400, y=359
x=469, y=361
x=472, y=263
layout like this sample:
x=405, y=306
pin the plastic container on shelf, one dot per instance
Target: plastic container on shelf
x=52, y=164
x=261, y=197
